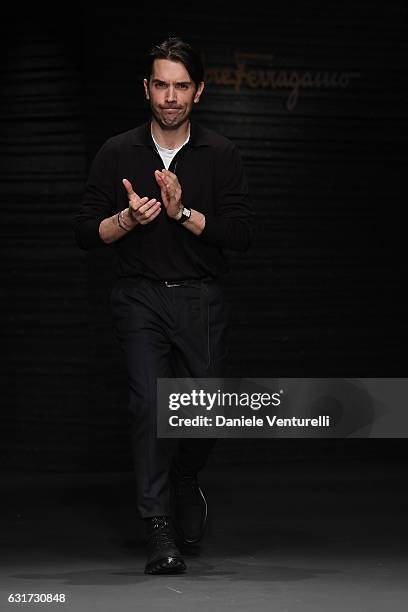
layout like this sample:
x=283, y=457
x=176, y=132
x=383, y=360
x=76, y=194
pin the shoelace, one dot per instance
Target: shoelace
x=161, y=535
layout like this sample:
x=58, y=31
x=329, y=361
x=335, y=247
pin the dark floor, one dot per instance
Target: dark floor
x=305, y=536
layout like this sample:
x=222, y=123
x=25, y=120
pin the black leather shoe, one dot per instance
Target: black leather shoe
x=163, y=556
x=190, y=508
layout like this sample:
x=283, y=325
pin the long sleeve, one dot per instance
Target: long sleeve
x=99, y=199
x=231, y=226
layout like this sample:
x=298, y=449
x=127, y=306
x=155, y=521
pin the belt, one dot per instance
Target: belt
x=185, y=282
x=171, y=284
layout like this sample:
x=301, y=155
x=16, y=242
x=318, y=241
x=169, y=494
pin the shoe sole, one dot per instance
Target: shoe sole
x=168, y=565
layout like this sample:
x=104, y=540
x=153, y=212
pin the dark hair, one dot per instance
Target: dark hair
x=177, y=50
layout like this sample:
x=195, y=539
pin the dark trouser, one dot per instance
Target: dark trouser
x=167, y=331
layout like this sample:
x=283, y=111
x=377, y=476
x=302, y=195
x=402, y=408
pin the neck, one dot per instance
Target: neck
x=170, y=139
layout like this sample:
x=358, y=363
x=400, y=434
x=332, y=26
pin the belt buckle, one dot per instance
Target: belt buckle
x=169, y=284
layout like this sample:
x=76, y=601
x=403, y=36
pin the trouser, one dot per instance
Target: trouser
x=167, y=329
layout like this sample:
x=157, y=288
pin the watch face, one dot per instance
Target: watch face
x=185, y=214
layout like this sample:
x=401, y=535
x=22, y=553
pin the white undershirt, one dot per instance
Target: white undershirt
x=168, y=154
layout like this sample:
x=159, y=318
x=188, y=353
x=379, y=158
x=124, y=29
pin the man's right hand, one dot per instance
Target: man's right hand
x=141, y=210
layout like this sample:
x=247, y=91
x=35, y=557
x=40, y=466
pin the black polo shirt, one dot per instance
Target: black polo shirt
x=211, y=174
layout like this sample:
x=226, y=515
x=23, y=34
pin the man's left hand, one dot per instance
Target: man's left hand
x=170, y=192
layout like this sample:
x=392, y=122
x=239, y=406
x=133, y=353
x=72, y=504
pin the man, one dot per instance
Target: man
x=170, y=195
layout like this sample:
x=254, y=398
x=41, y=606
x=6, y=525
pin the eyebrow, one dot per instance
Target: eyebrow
x=177, y=82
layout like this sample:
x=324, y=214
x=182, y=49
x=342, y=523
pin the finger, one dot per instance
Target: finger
x=164, y=175
x=168, y=182
x=162, y=185
x=159, y=176
x=129, y=188
x=138, y=202
x=152, y=210
x=168, y=174
x=151, y=217
x=143, y=209
x=155, y=214
x=135, y=202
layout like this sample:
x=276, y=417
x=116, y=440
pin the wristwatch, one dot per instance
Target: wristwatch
x=185, y=215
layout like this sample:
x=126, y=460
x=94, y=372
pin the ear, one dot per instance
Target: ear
x=199, y=92
x=146, y=88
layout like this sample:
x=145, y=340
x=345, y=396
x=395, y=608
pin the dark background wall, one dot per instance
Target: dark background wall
x=319, y=294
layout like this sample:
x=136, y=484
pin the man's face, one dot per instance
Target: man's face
x=171, y=92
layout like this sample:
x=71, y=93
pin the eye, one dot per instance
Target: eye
x=182, y=85
x=160, y=85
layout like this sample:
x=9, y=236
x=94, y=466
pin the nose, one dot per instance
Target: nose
x=171, y=94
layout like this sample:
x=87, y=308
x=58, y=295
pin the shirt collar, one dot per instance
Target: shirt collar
x=142, y=135
x=164, y=149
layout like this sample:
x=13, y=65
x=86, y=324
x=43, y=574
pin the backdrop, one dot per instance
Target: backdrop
x=314, y=95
